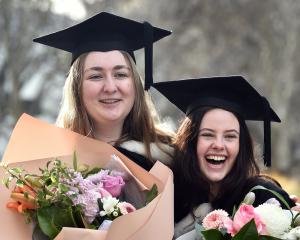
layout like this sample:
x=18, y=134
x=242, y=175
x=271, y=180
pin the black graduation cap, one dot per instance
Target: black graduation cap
x=232, y=93
x=107, y=32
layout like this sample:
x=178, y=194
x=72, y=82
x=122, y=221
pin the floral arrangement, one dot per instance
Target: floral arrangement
x=267, y=221
x=62, y=196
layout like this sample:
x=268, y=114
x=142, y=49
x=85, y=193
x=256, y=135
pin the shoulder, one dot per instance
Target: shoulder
x=162, y=152
x=262, y=196
x=139, y=159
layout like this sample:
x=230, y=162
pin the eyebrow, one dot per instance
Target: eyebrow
x=226, y=131
x=99, y=69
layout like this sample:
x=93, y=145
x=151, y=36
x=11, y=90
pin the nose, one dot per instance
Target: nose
x=110, y=85
x=218, y=143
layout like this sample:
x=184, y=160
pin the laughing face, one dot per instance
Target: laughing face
x=218, y=144
x=108, y=90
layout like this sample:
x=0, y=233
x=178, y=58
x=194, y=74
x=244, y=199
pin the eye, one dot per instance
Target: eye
x=231, y=136
x=206, y=135
x=120, y=75
x=95, y=77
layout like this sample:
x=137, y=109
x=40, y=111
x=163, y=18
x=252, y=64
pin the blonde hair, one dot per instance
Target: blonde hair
x=138, y=125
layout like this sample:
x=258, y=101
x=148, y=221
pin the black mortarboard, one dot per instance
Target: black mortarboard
x=232, y=93
x=107, y=32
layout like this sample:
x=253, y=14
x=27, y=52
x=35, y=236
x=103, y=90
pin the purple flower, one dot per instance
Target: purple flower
x=113, y=184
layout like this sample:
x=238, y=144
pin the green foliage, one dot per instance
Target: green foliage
x=51, y=219
x=74, y=161
x=151, y=194
x=274, y=193
x=247, y=232
x=213, y=234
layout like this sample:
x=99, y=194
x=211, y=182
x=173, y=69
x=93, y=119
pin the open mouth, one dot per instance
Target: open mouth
x=214, y=159
x=109, y=101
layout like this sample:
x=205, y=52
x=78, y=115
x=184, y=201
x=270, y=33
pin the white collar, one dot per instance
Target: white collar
x=156, y=152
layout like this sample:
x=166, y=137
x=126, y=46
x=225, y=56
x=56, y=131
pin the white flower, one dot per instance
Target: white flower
x=273, y=201
x=109, y=204
x=115, y=213
x=294, y=234
x=277, y=220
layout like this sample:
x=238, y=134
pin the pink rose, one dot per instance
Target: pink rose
x=244, y=214
x=126, y=207
x=113, y=184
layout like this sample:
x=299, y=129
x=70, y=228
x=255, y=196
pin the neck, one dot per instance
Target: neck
x=108, y=133
x=214, y=189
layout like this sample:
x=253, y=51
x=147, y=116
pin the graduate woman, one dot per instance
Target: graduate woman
x=214, y=166
x=103, y=96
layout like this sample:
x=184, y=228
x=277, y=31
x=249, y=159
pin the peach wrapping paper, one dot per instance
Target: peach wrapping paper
x=34, y=142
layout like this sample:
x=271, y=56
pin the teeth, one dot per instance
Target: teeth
x=216, y=158
x=109, y=100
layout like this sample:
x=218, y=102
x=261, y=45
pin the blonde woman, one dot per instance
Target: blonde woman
x=103, y=96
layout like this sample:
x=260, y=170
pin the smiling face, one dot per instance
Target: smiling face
x=108, y=91
x=218, y=144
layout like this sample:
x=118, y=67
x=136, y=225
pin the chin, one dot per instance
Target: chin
x=216, y=178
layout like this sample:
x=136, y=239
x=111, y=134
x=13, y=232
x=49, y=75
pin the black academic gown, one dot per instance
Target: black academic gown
x=232, y=199
x=136, y=152
x=137, y=158
x=261, y=196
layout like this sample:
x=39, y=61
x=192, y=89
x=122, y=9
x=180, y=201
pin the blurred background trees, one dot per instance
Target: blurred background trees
x=257, y=39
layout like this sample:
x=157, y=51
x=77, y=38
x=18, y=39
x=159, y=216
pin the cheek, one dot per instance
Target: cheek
x=129, y=90
x=234, y=149
x=202, y=148
x=89, y=90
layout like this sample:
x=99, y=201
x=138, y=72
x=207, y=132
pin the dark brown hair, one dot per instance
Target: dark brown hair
x=191, y=187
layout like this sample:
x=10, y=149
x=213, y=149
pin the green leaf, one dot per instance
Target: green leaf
x=15, y=171
x=48, y=164
x=37, y=234
x=213, y=234
x=53, y=218
x=247, y=232
x=83, y=168
x=6, y=182
x=150, y=195
x=295, y=219
x=26, y=195
x=62, y=188
x=92, y=171
x=275, y=193
x=20, y=183
x=75, y=161
x=263, y=237
x=33, y=180
x=53, y=177
x=84, y=222
x=46, y=222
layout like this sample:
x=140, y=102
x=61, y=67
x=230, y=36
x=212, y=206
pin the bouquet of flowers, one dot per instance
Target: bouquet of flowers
x=267, y=221
x=49, y=186
x=62, y=196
